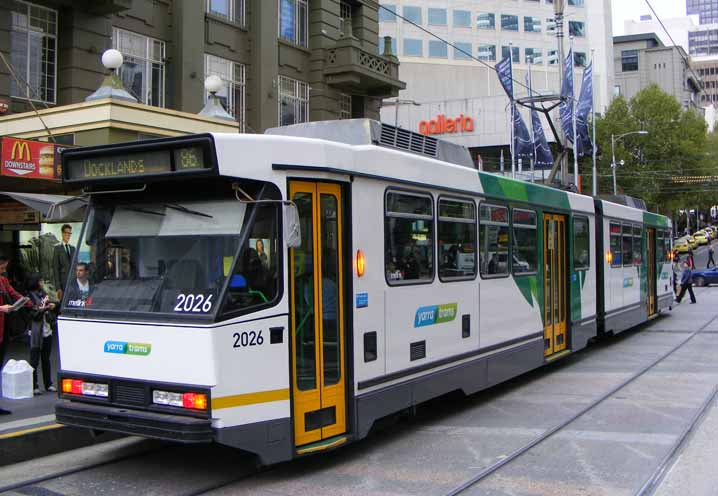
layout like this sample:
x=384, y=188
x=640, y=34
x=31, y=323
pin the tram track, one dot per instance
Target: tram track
x=651, y=484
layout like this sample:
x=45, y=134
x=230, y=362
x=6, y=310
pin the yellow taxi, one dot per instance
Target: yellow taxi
x=681, y=246
x=701, y=237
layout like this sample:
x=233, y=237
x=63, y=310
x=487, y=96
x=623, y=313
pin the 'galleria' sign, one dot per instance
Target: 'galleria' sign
x=443, y=125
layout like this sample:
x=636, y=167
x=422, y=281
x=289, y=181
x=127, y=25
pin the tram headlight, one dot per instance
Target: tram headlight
x=167, y=398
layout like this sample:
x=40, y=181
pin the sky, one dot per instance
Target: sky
x=633, y=9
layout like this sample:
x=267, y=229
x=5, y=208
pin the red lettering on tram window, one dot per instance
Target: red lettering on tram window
x=443, y=125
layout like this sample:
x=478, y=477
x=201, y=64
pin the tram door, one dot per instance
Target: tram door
x=317, y=314
x=652, y=283
x=554, y=257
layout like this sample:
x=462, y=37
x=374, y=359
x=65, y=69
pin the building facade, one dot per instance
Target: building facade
x=703, y=39
x=281, y=61
x=707, y=70
x=444, y=81
x=643, y=59
x=677, y=29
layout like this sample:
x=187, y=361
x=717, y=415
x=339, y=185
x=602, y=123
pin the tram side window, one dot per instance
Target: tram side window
x=457, y=239
x=254, y=281
x=627, y=251
x=494, y=240
x=667, y=252
x=409, y=238
x=660, y=247
x=524, y=242
x=581, y=244
x=637, y=253
x=615, y=230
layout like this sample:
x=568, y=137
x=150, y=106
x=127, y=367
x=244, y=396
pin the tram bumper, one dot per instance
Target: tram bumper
x=135, y=422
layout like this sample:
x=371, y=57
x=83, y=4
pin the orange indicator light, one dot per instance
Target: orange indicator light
x=609, y=257
x=361, y=263
x=67, y=385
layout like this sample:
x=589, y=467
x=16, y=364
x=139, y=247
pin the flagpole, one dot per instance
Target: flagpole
x=593, y=120
x=533, y=139
x=573, y=111
x=513, y=109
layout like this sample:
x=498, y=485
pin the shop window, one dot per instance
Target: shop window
x=232, y=94
x=33, y=51
x=525, y=246
x=581, y=244
x=457, y=239
x=409, y=238
x=143, y=69
x=494, y=241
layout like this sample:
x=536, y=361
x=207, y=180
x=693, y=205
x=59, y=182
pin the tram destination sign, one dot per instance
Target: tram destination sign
x=135, y=164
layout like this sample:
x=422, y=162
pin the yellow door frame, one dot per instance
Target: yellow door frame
x=554, y=253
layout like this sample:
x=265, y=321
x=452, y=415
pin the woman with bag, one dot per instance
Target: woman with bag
x=42, y=315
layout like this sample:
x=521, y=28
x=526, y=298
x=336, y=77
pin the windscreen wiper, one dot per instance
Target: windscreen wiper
x=186, y=210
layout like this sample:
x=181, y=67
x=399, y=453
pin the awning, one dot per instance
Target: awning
x=54, y=208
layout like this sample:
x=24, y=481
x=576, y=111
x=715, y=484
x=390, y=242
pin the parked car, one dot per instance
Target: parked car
x=680, y=246
x=705, y=277
x=700, y=237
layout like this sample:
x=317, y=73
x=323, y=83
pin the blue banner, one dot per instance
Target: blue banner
x=583, y=109
x=566, y=107
x=504, y=70
x=523, y=148
x=542, y=153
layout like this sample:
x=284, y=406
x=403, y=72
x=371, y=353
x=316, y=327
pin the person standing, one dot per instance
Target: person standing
x=8, y=296
x=676, y=273
x=41, y=315
x=62, y=259
x=686, y=284
x=710, y=256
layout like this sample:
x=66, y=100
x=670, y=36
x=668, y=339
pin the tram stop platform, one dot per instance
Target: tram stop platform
x=30, y=430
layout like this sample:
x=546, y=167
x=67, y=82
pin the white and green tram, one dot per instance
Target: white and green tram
x=279, y=293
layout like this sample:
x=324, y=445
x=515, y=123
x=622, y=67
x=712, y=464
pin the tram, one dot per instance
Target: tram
x=237, y=289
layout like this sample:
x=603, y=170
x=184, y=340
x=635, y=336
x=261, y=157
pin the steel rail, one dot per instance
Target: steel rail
x=550, y=432
x=650, y=486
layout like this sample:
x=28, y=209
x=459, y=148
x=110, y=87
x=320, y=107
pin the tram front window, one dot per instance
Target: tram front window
x=167, y=257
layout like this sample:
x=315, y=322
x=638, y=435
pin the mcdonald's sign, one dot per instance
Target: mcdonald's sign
x=28, y=159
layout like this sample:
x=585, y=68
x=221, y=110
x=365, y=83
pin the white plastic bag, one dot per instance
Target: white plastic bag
x=17, y=380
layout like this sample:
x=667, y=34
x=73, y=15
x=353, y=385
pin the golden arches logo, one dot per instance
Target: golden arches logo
x=20, y=149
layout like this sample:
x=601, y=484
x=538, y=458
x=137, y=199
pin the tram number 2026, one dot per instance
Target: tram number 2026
x=244, y=339
x=198, y=303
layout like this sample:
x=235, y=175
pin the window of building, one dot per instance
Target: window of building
x=345, y=106
x=486, y=21
x=412, y=14
x=515, y=57
x=532, y=24
x=615, y=232
x=509, y=22
x=552, y=57
x=576, y=3
x=533, y=56
x=382, y=45
x=627, y=246
x=524, y=242
x=408, y=238
x=293, y=101
x=629, y=60
x=462, y=18
x=437, y=17
x=494, y=241
x=413, y=48
x=637, y=253
x=487, y=53
x=438, y=49
x=345, y=14
x=230, y=9
x=581, y=244
x=576, y=28
x=232, y=94
x=33, y=51
x=457, y=239
x=461, y=50
x=387, y=13
x=293, y=21
x=579, y=59
x=143, y=69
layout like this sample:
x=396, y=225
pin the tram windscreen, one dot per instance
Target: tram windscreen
x=156, y=257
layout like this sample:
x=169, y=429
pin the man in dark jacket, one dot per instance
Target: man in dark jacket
x=61, y=260
x=686, y=283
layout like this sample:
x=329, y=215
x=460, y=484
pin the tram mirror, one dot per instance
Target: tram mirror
x=292, y=230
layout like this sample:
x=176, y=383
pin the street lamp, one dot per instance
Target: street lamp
x=614, y=140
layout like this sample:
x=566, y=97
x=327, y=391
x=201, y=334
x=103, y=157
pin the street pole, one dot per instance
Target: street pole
x=396, y=113
x=593, y=120
x=558, y=8
x=575, y=141
x=613, y=164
